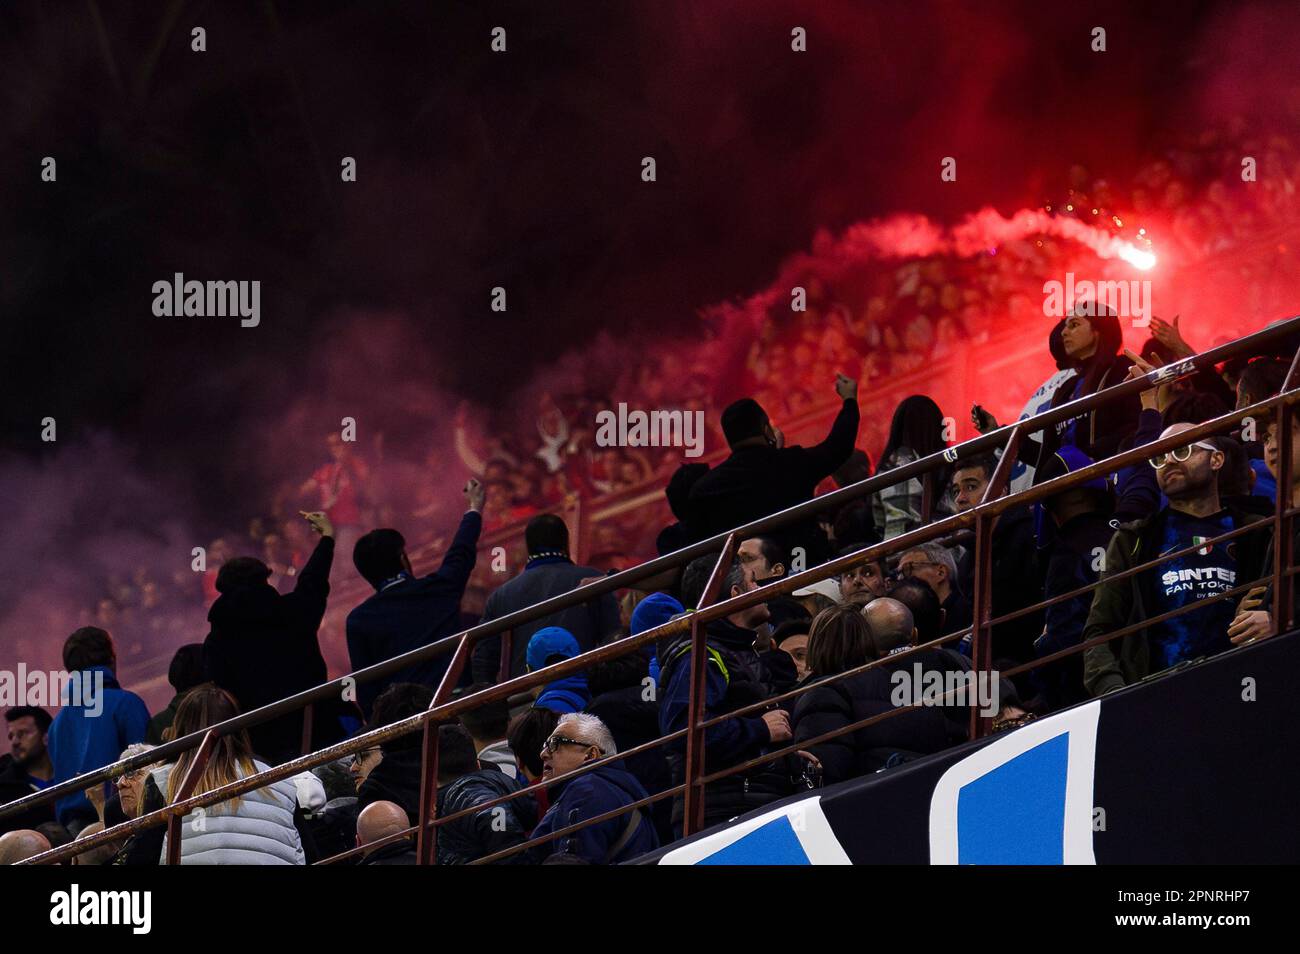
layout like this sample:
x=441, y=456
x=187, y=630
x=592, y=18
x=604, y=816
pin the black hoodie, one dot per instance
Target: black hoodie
x=262, y=647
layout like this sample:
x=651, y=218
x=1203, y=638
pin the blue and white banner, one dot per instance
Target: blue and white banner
x=1024, y=799
x=1140, y=776
x=794, y=834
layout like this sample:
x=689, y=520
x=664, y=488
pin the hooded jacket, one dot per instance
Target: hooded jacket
x=488, y=831
x=735, y=676
x=601, y=790
x=262, y=647
x=1124, y=602
x=566, y=694
x=653, y=611
x=93, y=734
x=395, y=779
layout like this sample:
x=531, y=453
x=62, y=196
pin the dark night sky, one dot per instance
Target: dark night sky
x=519, y=170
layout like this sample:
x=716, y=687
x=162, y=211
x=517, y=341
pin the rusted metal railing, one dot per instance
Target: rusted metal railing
x=980, y=519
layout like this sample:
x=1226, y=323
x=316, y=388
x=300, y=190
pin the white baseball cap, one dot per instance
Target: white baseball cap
x=829, y=588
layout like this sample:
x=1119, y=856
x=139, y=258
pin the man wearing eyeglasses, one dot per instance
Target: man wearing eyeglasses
x=933, y=564
x=579, y=738
x=1189, y=479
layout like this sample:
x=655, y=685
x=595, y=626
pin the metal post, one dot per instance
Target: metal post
x=927, y=497
x=507, y=650
x=426, y=837
x=981, y=613
x=693, y=819
x=306, y=727
x=982, y=598
x=1283, y=541
x=192, y=776
x=579, y=530
x=425, y=852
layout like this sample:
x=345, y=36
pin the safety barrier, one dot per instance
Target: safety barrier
x=979, y=520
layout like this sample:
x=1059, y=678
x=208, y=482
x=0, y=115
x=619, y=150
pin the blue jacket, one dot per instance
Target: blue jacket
x=84, y=737
x=1265, y=482
x=564, y=695
x=734, y=740
x=600, y=790
x=410, y=613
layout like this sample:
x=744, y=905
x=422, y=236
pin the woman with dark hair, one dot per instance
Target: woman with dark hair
x=1022, y=474
x=1093, y=344
x=261, y=827
x=916, y=431
x=840, y=640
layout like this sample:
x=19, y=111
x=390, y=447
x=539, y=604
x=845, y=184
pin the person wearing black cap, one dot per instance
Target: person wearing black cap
x=763, y=476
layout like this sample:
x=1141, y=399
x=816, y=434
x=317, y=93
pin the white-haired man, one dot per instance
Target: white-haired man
x=579, y=738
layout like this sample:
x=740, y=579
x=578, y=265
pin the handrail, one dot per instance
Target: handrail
x=1248, y=344
x=728, y=606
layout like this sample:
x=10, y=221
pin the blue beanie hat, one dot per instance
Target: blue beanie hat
x=655, y=610
x=548, y=642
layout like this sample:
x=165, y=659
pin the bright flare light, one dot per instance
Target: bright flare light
x=1137, y=257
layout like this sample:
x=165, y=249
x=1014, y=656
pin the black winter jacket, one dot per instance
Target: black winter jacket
x=736, y=676
x=756, y=481
x=395, y=779
x=837, y=704
x=489, y=831
x=15, y=784
x=1017, y=582
x=262, y=647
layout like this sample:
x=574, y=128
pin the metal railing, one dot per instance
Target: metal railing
x=980, y=519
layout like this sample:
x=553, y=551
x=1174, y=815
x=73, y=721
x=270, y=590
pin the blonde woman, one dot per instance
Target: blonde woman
x=261, y=827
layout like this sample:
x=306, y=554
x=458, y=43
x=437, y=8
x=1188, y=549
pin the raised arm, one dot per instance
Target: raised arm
x=830, y=454
x=458, y=564
x=313, y=586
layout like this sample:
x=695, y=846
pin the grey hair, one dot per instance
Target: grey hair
x=735, y=578
x=591, y=730
x=136, y=748
x=938, y=553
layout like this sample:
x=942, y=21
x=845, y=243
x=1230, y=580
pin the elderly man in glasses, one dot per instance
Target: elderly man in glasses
x=1194, y=515
x=580, y=738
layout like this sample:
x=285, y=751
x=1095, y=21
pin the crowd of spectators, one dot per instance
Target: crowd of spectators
x=876, y=318
x=836, y=639
x=877, y=323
